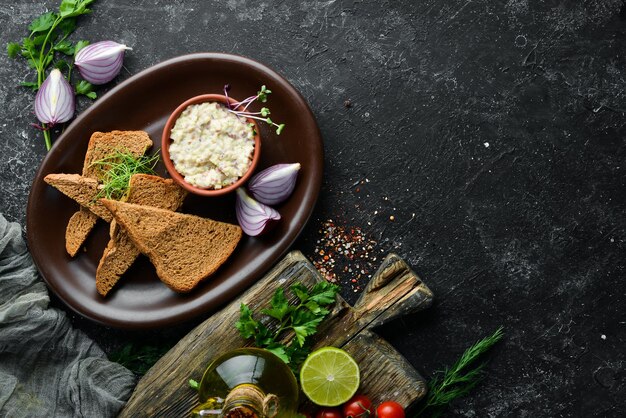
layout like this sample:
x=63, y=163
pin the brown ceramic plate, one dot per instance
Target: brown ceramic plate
x=144, y=102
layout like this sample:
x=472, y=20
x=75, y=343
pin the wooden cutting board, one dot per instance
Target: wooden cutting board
x=394, y=290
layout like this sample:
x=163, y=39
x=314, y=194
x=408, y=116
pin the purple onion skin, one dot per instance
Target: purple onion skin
x=254, y=218
x=275, y=184
x=101, y=62
x=54, y=102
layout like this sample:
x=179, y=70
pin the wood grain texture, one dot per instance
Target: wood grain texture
x=385, y=374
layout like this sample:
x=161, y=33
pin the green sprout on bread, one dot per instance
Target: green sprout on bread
x=262, y=115
x=118, y=168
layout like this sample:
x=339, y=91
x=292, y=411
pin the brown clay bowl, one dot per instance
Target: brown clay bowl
x=166, y=141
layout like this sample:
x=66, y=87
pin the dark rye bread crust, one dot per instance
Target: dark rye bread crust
x=185, y=249
x=101, y=144
x=120, y=252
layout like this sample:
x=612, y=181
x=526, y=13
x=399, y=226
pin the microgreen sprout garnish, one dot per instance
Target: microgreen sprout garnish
x=118, y=168
x=262, y=115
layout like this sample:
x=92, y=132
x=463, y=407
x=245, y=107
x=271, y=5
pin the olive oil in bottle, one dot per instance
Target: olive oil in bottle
x=247, y=383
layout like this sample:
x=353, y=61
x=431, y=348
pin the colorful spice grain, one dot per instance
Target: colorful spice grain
x=344, y=254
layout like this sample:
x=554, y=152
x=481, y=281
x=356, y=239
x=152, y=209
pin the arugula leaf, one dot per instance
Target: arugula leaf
x=302, y=318
x=43, y=23
x=13, y=49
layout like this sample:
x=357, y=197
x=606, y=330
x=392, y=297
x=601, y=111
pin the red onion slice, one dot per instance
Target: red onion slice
x=274, y=184
x=54, y=102
x=254, y=217
x=101, y=62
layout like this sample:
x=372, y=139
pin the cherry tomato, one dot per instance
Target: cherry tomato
x=390, y=409
x=329, y=413
x=358, y=407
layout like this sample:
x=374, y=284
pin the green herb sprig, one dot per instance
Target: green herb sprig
x=48, y=36
x=138, y=358
x=457, y=381
x=301, y=318
x=118, y=168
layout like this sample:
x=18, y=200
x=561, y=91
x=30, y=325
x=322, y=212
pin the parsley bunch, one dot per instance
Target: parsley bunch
x=47, y=40
x=301, y=318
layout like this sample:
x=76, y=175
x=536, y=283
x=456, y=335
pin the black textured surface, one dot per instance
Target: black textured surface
x=494, y=133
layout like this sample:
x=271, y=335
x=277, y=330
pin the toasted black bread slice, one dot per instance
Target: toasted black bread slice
x=185, y=249
x=120, y=252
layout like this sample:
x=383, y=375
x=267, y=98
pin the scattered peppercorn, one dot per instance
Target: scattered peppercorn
x=345, y=254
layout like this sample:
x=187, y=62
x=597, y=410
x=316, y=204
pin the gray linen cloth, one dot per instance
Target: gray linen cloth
x=47, y=368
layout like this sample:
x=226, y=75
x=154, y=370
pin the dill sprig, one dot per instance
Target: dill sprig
x=118, y=168
x=457, y=381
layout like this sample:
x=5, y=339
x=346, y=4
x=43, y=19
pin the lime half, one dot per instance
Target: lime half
x=329, y=376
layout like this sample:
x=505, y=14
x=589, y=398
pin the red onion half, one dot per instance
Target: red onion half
x=54, y=102
x=274, y=184
x=99, y=63
x=253, y=217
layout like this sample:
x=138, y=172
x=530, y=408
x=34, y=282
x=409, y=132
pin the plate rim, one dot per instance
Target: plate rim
x=234, y=290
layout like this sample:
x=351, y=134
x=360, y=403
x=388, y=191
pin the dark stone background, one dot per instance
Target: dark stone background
x=493, y=131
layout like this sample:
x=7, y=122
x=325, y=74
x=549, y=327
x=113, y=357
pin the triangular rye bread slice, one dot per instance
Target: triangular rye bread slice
x=101, y=145
x=104, y=144
x=185, y=249
x=77, y=230
x=83, y=190
x=120, y=252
